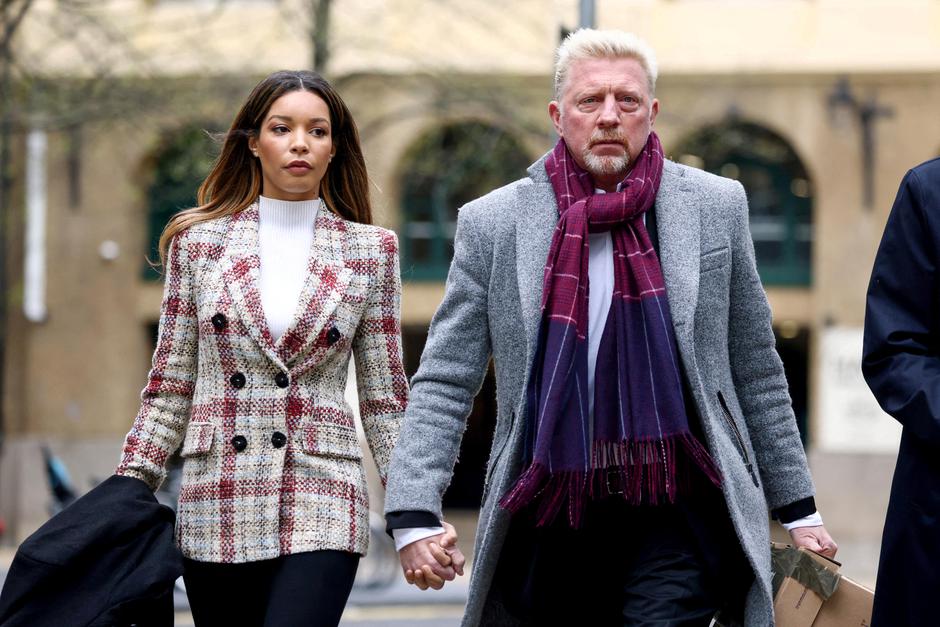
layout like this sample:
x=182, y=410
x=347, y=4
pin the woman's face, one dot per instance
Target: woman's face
x=294, y=145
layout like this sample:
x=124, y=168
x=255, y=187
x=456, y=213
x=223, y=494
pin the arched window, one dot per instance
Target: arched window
x=178, y=167
x=778, y=188
x=444, y=169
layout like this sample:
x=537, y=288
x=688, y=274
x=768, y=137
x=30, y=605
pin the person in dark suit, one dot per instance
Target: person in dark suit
x=901, y=363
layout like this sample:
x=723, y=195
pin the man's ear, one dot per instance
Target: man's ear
x=554, y=111
x=654, y=111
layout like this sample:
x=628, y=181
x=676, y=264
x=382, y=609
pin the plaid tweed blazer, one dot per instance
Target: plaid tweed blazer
x=271, y=461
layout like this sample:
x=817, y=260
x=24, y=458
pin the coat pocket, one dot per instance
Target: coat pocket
x=739, y=439
x=331, y=440
x=714, y=259
x=199, y=439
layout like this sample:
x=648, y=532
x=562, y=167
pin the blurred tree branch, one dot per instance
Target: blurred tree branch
x=11, y=17
x=11, y=22
x=320, y=34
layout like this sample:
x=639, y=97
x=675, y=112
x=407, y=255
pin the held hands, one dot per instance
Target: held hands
x=815, y=539
x=428, y=563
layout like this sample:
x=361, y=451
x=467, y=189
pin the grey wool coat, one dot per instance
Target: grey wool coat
x=722, y=322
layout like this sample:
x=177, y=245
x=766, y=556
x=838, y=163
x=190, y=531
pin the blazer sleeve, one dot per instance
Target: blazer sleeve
x=450, y=375
x=901, y=353
x=380, y=375
x=166, y=400
x=757, y=371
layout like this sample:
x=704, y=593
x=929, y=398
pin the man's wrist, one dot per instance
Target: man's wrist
x=405, y=536
x=813, y=520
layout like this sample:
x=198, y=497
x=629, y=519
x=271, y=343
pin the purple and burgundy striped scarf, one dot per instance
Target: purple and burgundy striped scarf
x=638, y=442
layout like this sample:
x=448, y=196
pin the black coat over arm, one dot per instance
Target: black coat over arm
x=901, y=363
x=108, y=559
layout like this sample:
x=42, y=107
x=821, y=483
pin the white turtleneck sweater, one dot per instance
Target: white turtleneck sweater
x=285, y=236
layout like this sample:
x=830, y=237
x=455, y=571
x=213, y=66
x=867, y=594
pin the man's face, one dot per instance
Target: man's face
x=605, y=115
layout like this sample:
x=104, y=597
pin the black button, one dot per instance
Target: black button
x=219, y=321
x=333, y=336
x=281, y=379
x=237, y=380
x=239, y=443
x=278, y=439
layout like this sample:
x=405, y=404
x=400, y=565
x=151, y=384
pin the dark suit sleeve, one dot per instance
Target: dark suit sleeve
x=795, y=511
x=409, y=520
x=901, y=361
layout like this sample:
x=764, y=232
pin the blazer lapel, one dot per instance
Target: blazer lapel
x=534, y=228
x=678, y=222
x=241, y=268
x=327, y=280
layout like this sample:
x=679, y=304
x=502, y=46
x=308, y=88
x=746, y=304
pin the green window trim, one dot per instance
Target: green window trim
x=179, y=166
x=444, y=169
x=779, y=194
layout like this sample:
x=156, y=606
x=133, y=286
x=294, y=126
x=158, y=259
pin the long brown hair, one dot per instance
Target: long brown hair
x=235, y=179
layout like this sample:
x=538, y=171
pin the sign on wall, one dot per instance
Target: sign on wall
x=850, y=419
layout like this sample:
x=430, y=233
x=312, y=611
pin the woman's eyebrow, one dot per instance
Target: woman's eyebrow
x=288, y=118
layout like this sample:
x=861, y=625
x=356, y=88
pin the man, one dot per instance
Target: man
x=644, y=422
x=901, y=363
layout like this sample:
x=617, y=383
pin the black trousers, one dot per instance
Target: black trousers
x=628, y=565
x=304, y=589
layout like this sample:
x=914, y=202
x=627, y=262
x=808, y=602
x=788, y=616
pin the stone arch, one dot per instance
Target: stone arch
x=175, y=169
x=447, y=166
x=780, y=192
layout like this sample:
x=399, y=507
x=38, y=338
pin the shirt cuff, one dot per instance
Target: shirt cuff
x=813, y=520
x=404, y=537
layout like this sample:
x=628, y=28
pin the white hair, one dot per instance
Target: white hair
x=587, y=43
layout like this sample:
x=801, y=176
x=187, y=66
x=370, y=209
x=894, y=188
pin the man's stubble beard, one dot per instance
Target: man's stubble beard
x=611, y=165
x=605, y=166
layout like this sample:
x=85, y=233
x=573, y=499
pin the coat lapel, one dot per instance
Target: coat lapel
x=327, y=280
x=241, y=268
x=534, y=228
x=678, y=220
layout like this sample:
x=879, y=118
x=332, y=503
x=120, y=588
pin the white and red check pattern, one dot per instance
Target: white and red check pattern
x=266, y=501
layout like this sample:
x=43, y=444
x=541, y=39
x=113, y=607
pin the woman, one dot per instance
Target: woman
x=272, y=282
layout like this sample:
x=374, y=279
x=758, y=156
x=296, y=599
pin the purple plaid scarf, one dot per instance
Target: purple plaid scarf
x=638, y=443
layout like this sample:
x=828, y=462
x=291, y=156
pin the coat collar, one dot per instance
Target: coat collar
x=326, y=282
x=679, y=224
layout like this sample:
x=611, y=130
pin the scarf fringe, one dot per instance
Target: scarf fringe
x=641, y=472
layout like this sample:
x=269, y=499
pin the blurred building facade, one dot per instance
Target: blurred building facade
x=817, y=107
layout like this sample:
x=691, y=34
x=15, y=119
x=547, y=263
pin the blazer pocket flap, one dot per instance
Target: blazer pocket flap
x=715, y=259
x=199, y=439
x=331, y=439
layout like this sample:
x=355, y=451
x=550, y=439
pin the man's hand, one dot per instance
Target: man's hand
x=815, y=539
x=428, y=563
